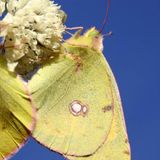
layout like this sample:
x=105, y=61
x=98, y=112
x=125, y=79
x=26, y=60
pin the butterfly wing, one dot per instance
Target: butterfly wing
x=116, y=147
x=74, y=103
x=16, y=113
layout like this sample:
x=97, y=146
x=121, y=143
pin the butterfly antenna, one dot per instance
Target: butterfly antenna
x=106, y=17
x=6, y=3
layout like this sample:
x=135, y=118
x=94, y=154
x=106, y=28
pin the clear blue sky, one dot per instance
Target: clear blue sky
x=134, y=55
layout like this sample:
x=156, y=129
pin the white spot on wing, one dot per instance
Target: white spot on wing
x=77, y=108
x=84, y=109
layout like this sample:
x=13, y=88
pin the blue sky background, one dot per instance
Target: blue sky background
x=134, y=55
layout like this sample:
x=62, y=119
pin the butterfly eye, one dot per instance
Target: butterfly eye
x=96, y=37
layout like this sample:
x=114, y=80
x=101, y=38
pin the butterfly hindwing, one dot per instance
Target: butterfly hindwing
x=116, y=147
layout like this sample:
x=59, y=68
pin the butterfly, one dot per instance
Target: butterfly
x=79, y=111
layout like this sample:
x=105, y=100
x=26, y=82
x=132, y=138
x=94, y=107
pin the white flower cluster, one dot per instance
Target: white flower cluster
x=32, y=33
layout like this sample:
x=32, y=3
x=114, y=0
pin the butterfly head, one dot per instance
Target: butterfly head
x=96, y=38
x=91, y=39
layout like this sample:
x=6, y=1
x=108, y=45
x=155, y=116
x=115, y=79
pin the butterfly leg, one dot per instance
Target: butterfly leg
x=76, y=34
